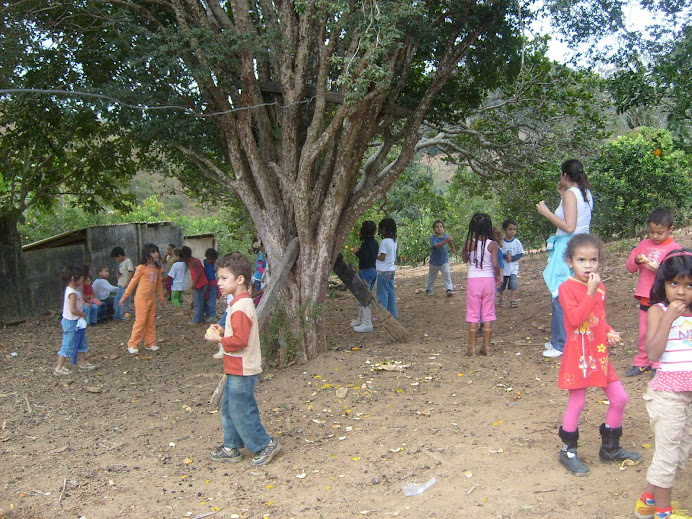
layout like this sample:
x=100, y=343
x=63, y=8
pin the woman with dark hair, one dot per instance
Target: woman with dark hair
x=573, y=216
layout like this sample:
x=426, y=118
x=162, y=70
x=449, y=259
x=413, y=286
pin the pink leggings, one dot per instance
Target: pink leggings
x=577, y=399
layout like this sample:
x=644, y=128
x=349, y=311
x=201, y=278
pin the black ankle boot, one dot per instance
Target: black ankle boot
x=568, y=453
x=610, y=446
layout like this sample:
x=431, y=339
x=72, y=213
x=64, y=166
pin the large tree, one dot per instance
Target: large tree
x=305, y=110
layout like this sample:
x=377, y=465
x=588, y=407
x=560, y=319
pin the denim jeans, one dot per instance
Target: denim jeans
x=103, y=309
x=199, y=305
x=385, y=292
x=69, y=327
x=240, y=415
x=212, y=296
x=369, y=276
x=558, y=335
x=222, y=319
x=92, y=313
x=120, y=311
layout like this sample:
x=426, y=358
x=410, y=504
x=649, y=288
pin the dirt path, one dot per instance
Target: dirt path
x=132, y=438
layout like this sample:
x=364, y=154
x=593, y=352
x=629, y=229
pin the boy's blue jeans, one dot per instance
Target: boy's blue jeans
x=92, y=313
x=103, y=309
x=120, y=311
x=240, y=415
x=212, y=296
x=199, y=304
x=385, y=292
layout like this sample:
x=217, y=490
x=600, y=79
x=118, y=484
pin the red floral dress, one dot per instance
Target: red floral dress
x=585, y=358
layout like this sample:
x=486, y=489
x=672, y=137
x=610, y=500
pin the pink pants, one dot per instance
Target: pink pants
x=480, y=300
x=577, y=399
x=641, y=359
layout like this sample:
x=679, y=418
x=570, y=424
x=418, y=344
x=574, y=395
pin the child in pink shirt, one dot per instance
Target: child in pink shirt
x=645, y=258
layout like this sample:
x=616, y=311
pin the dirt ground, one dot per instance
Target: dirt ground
x=132, y=438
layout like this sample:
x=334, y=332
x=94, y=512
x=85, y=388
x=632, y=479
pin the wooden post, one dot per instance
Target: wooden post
x=360, y=289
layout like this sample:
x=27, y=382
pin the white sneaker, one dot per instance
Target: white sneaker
x=151, y=348
x=548, y=346
x=552, y=353
x=133, y=350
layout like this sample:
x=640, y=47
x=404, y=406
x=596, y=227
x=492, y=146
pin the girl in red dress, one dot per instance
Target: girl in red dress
x=585, y=360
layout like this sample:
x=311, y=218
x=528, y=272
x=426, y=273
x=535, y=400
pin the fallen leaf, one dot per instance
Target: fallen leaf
x=646, y=445
x=187, y=461
x=93, y=389
x=497, y=423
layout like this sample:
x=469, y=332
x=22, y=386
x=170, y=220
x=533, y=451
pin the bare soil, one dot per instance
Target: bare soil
x=132, y=438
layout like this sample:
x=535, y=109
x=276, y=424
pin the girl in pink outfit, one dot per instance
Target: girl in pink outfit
x=669, y=397
x=644, y=259
x=482, y=255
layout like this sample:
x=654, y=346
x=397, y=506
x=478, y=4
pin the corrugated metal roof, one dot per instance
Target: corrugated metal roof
x=79, y=235
x=201, y=235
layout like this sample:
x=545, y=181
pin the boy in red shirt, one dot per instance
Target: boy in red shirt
x=242, y=363
x=645, y=258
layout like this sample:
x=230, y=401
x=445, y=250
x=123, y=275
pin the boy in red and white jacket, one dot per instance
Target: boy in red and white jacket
x=242, y=363
x=645, y=258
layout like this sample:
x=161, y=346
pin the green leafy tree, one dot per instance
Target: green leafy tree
x=635, y=174
x=659, y=79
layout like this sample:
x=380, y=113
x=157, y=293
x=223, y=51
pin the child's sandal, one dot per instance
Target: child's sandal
x=514, y=304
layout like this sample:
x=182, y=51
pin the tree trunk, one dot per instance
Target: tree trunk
x=12, y=292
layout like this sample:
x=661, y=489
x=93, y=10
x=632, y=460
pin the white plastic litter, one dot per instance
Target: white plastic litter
x=416, y=489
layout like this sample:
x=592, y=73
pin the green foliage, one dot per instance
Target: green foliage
x=629, y=180
x=415, y=202
x=659, y=79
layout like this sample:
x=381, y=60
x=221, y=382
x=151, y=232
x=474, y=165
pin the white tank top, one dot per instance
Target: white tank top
x=583, y=212
x=66, y=313
x=678, y=353
x=475, y=268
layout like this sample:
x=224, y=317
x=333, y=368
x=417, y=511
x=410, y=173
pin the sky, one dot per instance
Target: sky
x=636, y=18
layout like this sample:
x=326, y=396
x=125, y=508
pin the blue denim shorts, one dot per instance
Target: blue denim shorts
x=508, y=282
x=68, y=335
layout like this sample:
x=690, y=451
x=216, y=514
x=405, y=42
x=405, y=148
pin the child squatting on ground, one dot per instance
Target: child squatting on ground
x=147, y=281
x=669, y=396
x=644, y=259
x=72, y=314
x=585, y=361
x=242, y=363
x=440, y=245
x=484, y=276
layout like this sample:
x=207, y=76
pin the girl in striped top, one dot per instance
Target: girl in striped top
x=669, y=397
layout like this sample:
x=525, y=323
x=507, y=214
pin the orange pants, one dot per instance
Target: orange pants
x=145, y=323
